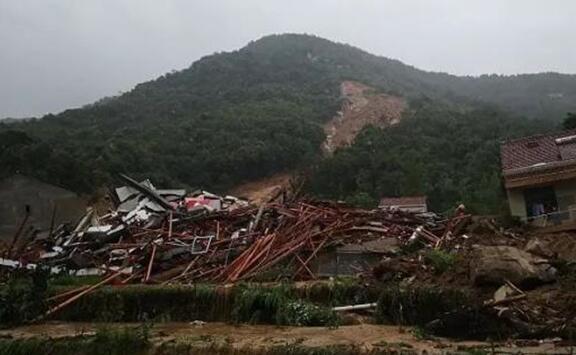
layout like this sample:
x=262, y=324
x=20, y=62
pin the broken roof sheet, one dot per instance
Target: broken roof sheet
x=172, y=192
x=125, y=192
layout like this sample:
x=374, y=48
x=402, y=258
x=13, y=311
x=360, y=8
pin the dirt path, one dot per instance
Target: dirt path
x=365, y=336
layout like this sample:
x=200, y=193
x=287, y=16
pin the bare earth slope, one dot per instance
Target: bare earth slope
x=361, y=107
x=262, y=190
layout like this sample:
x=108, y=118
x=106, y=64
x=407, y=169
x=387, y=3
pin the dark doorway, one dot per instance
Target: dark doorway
x=540, y=200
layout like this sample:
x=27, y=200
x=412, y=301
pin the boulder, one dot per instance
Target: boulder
x=495, y=264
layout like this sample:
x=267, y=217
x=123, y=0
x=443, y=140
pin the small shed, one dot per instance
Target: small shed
x=44, y=200
x=406, y=203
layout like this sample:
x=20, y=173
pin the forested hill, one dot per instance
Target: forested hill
x=543, y=95
x=238, y=116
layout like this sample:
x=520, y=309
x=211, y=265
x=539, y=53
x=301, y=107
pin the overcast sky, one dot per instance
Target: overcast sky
x=58, y=54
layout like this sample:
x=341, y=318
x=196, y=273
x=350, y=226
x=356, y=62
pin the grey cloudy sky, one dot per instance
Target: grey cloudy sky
x=57, y=54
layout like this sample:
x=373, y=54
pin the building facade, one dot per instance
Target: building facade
x=540, y=178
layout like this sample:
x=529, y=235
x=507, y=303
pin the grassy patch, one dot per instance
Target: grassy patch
x=142, y=303
x=106, y=341
x=278, y=305
x=243, y=303
x=440, y=260
x=417, y=305
x=23, y=296
x=70, y=280
x=339, y=292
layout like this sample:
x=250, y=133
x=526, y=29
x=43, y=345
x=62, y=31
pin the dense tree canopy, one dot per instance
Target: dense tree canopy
x=452, y=157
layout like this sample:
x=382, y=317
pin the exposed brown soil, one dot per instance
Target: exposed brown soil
x=362, y=106
x=364, y=336
x=557, y=245
x=242, y=335
x=261, y=190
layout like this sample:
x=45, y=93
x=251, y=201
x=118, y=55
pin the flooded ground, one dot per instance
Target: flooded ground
x=365, y=336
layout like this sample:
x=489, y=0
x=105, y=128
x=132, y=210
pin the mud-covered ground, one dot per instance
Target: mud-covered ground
x=365, y=336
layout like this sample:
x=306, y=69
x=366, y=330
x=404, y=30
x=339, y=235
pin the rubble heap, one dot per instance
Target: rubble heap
x=165, y=236
x=155, y=236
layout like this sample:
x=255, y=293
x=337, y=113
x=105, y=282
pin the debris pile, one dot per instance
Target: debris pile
x=162, y=236
x=155, y=236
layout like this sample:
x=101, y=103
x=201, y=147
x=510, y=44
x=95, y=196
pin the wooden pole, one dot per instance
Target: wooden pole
x=150, y=263
x=170, y=225
x=19, y=231
x=305, y=266
x=311, y=255
x=67, y=293
x=78, y=296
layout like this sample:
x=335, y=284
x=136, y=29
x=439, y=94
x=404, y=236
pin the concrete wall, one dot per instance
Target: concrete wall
x=517, y=203
x=18, y=191
x=330, y=264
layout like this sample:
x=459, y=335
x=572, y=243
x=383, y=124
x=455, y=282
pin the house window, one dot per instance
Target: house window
x=540, y=200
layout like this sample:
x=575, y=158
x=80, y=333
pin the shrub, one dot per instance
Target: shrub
x=23, y=298
x=278, y=305
x=440, y=260
x=141, y=303
x=341, y=291
x=417, y=305
x=121, y=341
x=298, y=313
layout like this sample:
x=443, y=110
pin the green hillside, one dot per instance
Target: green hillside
x=234, y=117
x=451, y=157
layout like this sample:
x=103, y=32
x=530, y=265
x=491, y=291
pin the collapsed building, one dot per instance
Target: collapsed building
x=172, y=236
x=155, y=235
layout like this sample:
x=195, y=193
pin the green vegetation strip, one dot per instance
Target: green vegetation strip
x=24, y=299
x=257, y=304
x=245, y=303
x=106, y=341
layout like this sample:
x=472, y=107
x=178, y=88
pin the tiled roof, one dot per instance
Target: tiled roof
x=403, y=201
x=535, y=150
